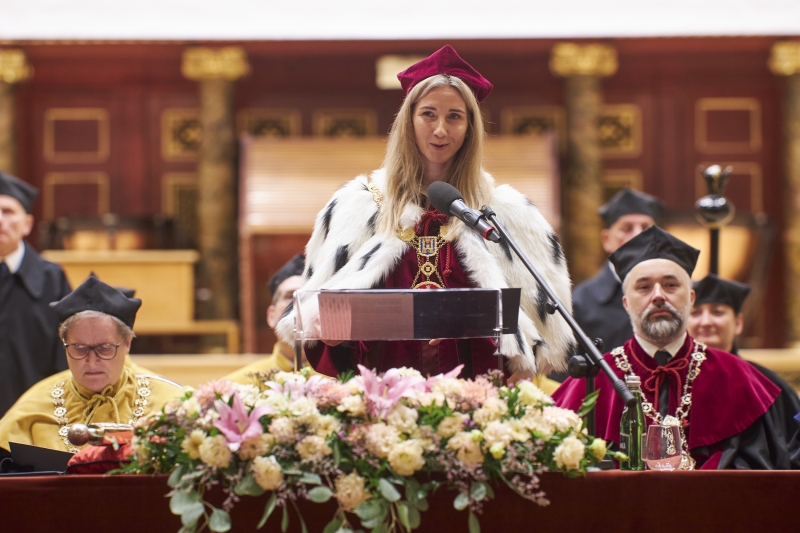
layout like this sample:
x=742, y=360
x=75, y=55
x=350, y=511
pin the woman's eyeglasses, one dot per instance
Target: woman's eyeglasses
x=81, y=351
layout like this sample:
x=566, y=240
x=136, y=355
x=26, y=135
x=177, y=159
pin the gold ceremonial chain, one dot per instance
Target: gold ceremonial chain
x=60, y=411
x=682, y=412
x=427, y=249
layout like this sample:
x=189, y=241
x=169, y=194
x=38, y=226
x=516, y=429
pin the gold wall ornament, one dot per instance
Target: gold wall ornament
x=784, y=60
x=571, y=59
x=202, y=63
x=13, y=66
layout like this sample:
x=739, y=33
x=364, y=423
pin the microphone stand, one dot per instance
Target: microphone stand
x=594, y=360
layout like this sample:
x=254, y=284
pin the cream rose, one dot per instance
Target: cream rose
x=569, y=453
x=313, y=448
x=497, y=433
x=530, y=394
x=350, y=491
x=450, y=425
x=562, y=419
x=354, y=405
x=267, y=472
x=468, y=450
x=191, y=443
x=598, y=449
x=255, y=446
x=305, y=410
x=493, y=409
x=326, y=425
x=403, y=419
x=406, y=458
x=380, y=439
x=214, y=451
x=282, y=428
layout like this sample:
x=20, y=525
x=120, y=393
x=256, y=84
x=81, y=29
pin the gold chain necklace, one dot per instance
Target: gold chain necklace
x=60, y=410
x=427, y=249
x=682, y=412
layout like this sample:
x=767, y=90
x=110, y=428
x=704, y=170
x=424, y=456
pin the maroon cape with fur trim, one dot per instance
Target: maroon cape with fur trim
x=727, y=396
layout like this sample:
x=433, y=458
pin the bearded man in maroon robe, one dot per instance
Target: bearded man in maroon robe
x=724, y=406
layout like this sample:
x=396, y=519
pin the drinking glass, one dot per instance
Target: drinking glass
x=662, y=450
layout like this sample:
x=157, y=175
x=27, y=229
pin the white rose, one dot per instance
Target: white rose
x=267, y=472
x=277, y=401
x=562, y=419
x=304, y=409
x=406, y=458
x=569, y=453
x=326, y=425
x=493, y=409
x=255, y=446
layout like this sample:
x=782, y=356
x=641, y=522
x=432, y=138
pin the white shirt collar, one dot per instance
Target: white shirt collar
x=651, y=349
x=14, y=259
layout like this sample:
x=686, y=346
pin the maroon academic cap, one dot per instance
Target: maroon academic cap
x=446, y=61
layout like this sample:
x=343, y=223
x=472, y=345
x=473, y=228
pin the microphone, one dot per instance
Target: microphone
x=446, y=199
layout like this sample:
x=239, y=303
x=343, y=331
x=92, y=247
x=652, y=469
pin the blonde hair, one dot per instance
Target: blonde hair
x=404, y=163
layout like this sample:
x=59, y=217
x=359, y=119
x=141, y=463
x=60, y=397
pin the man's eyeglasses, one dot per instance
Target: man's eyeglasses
x=81, y=351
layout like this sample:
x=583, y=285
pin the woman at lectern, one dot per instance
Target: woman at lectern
x=100, y=386
x=380, y=231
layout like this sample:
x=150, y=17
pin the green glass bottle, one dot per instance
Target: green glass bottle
x=631, y=427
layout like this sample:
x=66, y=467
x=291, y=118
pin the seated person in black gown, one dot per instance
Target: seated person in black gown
x=724, y=407
x=717, y=320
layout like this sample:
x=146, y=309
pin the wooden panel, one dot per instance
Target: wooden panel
x=163, y=279
x=76, y=135
x=88, y=193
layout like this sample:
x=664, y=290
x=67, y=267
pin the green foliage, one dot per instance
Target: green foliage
x=268, y=510
x=248, y=487
x=220, y=521
x=320, y=494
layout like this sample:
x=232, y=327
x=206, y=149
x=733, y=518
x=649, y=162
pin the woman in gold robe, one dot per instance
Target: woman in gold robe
x=96, y=329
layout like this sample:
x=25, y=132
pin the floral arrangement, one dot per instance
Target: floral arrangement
x=377, y=444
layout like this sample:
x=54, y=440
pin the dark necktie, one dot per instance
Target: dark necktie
x=4, y=272
x=662, y=357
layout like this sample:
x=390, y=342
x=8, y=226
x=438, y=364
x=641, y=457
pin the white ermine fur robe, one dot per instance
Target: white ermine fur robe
x=345, y=252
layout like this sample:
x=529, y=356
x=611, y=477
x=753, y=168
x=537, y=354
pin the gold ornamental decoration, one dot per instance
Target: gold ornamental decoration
x=13, y=66
x=202, y=63
x=571, y=59
x=785, y=58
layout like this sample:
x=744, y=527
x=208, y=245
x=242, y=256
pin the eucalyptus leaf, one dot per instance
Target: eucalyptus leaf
x=285, y=519
x=402, y=513
x=192, y=514
x=345, y=530
x=388, y=491
x=489, y=491
x=337, y=455
x=462, y=501
x=248, y=487
x=474, y=525
x=477, y=491
x=370, y=509
x=188, y=529
x=380, y=528
x=414, y=519
x=220, y=521
x=320, y=494
x=268, y=510
x=310, y=479
x=333, y=526
x=176, y=475
x=412, y=490
x=182, y=500
x=422, y=504
x=372, y=522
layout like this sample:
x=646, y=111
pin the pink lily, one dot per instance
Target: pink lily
x=382, y=393
x=433, y=379
x=236, y=424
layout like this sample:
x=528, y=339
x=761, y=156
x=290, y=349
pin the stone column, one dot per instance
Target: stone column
x=583, y=66
x=785, y=61
x=216, y=70
x=13, y=69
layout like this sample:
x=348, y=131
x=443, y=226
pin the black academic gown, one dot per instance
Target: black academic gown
x=785, y=408
x=30, y=349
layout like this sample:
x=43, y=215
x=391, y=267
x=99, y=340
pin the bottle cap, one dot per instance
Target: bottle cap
x=633, y=380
